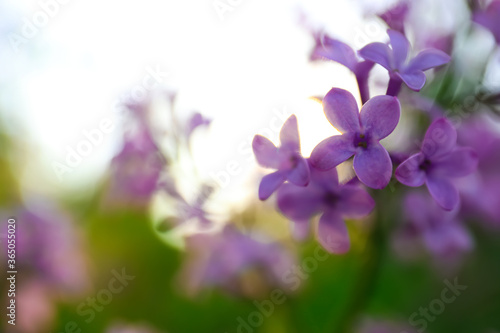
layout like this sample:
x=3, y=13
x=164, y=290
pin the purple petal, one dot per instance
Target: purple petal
x=332, y=233
x=300, y=175
x=332, y=151
x=373, y=166
x=400, y=48
x=409, y=172
x=265, y=152
x=448, y=239
x=418, y=210
x=327, y=180
x=395, y=17
x=270, y=183
x=415, y=80
x=355, y=202
x=377, y=52
x=443, y=191
x=289, y=134
x=428, y=59
x=341, y=110
x=440, y=138
x=459, y=163
x=335, y=50
x=380, y=116
x=298, y=203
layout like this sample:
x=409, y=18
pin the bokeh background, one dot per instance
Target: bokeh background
x=202, y=78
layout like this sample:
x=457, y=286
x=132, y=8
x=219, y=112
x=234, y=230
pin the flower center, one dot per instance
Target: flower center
x=425, y=165
x=331, y=198
x=360, y=140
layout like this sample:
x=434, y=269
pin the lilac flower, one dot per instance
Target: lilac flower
x=334, y=202
x=489, y=19
x=438, y=161
x=401, y=69
x=361, y=133
x=48, y=245
x=439, y=230
x=196, y=120
x=395, y=16
x=222, y=259
x=136, y=170
x=480, y=192
x=287, y=159
x=332, y=49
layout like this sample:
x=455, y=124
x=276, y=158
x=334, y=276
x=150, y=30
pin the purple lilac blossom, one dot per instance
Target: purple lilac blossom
x=396, y=60
x=286, y=159
x=335, y=50
x=437, y=163
x=136, y=170
x=489, y=19
x=49, y=246
x=480, y=192
x=395, y=16
x=221, y=259
x=196, y=120
x=361, y=133
x=440, y=231
x=324, y=195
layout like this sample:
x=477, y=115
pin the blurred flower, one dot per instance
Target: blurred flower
x=37, y=309
x=332, y=49
x=489, y=18
x=481, y=191
x=395, y=16
x=49, y=248
x=287, y=159
x=401, y=69
x=222, y=259
x=439, y=230
x=334, y=202
x=362, y=132
x=196, y=120
x=135, y=170
x=438, y=161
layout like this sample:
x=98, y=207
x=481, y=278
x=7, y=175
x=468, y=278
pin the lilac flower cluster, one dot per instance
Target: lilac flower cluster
x=308, y=186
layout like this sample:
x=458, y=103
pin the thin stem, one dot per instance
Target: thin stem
x=367, y=280
x=363, y=88
x=394, y=86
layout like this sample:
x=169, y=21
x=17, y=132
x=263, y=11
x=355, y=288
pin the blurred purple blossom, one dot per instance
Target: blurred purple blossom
x=195, y=121
x=324, y=195
x=437, y=163
x=286, y=159
x=135, y=170
x=335, y=50
x=49, y=246
x=481, y=191
x=221, y=260
x=440, y=231
x=395, y=16
x=361, y=133
x=489, y=19
x=401, y=68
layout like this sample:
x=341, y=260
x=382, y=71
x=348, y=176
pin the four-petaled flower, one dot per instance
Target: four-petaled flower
x=438, y=161
x=396, y=61
x=362, y=132
x=286, y=159
x=440, y=231
x=325, y=196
